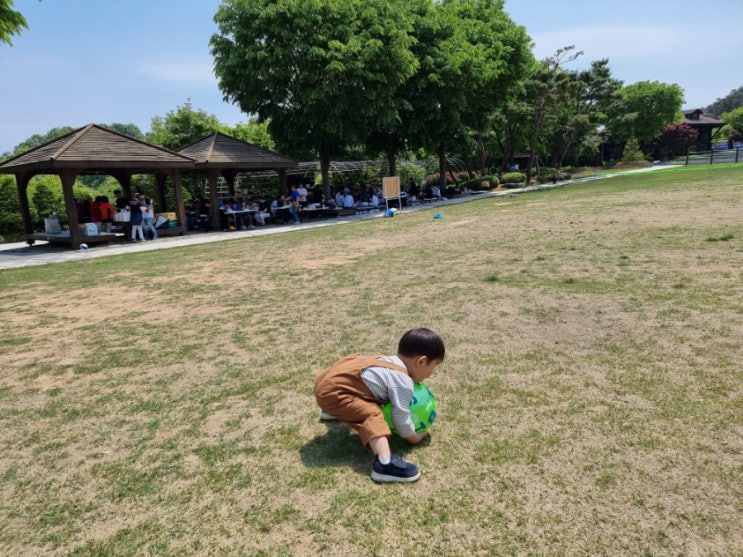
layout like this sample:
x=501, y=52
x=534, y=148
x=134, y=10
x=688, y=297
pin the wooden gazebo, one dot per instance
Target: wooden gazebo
x=95, y=150
x=222, y=154
x=705, y=126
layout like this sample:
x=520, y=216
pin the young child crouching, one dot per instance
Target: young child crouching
x=353, y=389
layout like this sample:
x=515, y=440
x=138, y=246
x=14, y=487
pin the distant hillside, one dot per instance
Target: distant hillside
x=733, y=100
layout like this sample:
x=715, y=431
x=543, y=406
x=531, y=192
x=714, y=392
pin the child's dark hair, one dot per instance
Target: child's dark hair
x=422, y=342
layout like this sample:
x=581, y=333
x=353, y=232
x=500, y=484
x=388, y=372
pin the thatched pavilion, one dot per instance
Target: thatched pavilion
x=95, y=150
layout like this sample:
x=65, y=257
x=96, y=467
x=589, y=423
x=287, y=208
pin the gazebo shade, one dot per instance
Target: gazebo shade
x=93, y=149
x=222, y=154
x=228, y=153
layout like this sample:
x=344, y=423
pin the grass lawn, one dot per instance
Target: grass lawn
x=590, y=403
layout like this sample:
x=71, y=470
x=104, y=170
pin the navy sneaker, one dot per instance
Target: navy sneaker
x=396, y=471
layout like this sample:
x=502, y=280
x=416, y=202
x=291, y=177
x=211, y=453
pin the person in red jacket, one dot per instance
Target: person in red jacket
x=107, y=212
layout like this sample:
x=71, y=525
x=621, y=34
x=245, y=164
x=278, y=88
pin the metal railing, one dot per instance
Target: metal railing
x=714, y=156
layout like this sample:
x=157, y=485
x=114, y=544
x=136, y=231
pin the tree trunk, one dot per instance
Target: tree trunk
x=482, y=155
x=442, y=168
x=392, y=163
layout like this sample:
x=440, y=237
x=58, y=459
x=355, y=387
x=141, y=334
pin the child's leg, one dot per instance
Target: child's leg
x=381, y=447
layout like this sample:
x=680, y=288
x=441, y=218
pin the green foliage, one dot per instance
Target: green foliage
x=513, y=178
x=408, y=170
x=642, y=110
x=254, y=132
x=734, y=119
x=182, y=127
x=38, y=139
x=132, y=130
x=11, y=21
x=45, y=197
x=11, y=222
x=476, y=184
x=632, y=152
x=298, y=63
x=728, y=103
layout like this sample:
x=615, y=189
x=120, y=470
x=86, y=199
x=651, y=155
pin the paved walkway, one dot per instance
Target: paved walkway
x=20, y=254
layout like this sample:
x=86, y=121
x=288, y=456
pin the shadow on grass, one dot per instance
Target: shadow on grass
x=340, y=446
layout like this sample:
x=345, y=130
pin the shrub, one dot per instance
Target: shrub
x=476, y=183
x=545, y=175
x=461, y=176
x=632, y=152
x=511, y=178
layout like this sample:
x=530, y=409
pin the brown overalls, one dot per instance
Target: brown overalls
x=341, y=392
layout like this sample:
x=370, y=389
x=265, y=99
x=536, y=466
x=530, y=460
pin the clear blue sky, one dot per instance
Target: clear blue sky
x=106, y=61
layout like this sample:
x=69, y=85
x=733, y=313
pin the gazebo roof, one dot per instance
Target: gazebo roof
x=98, y=150
x=697, y=117
x=220, y=151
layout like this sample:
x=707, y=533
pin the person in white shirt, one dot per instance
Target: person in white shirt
x=302, y=191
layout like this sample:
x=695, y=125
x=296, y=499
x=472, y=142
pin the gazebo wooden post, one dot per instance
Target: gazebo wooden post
x=68, y=180
x=22, y=181
x=213, y=178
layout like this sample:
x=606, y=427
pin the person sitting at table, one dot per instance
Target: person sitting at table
x=250, y=207
x=278, y=209
x=192, y=215
x=263, y=209
x=224, y=207
x=348, y=200
x=294, y=204
x=205, y=216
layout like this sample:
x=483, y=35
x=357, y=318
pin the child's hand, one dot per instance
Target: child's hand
x=416, y=438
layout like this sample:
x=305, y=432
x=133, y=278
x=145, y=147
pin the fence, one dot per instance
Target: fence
x=712, y=157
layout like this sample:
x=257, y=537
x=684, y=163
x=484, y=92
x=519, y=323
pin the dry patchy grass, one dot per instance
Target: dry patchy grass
x=590, y=402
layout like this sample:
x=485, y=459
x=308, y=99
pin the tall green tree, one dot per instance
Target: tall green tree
x=546, y=88
x=11, y=221
x=586, y=95
x=254, y=132
x=325, y=73
x=471, y=57
x=11, y=22
x=734, y=118
x=132, y=130
x=182, y=126
x=642, y=109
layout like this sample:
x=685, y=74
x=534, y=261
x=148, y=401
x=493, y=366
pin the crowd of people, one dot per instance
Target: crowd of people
x=136, y=215
x=139, y=211
x=246, y=212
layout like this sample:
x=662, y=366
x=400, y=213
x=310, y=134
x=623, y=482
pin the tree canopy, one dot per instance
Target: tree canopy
x=731, y=101
x=11, y=22
x=643, y=108
x=324, y=73
x=332, y=74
